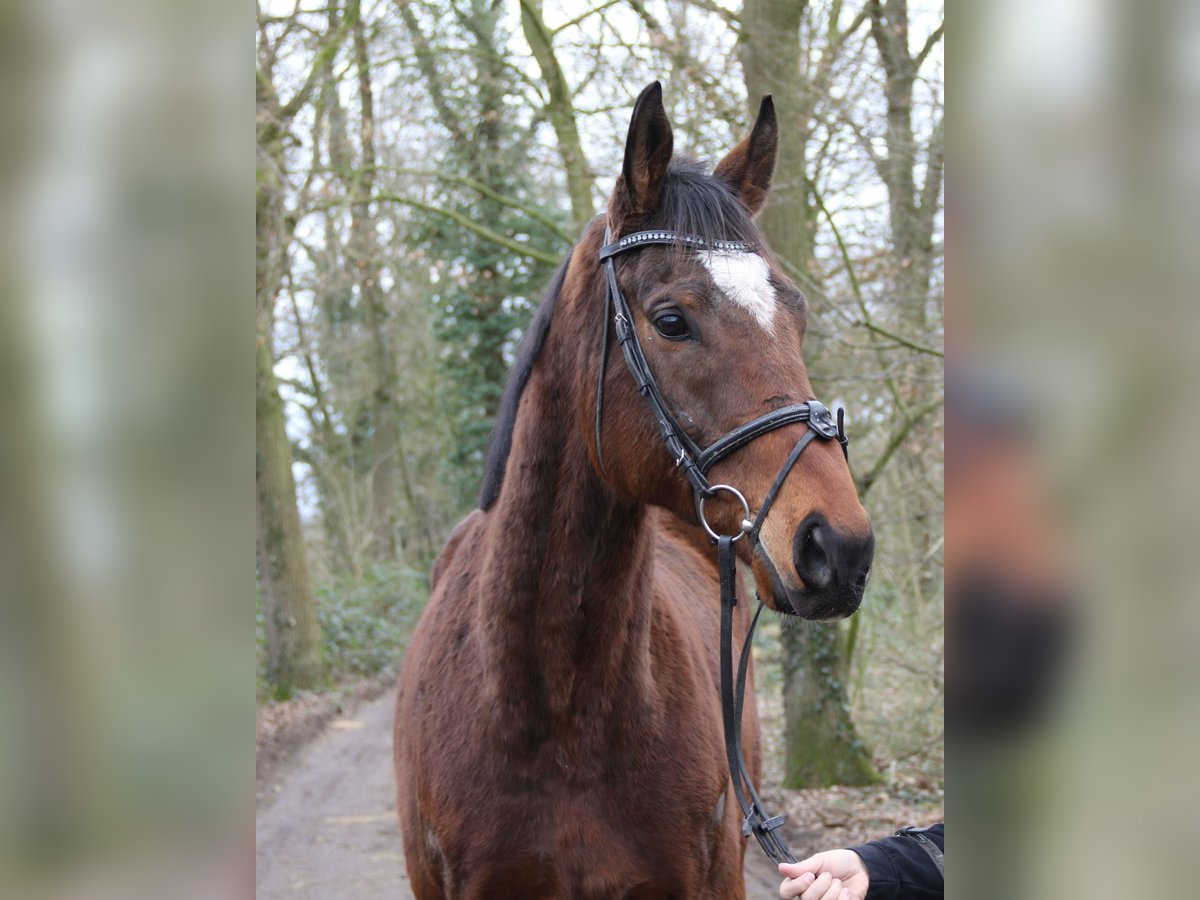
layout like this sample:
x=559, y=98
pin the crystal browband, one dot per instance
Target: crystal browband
x=670, y=237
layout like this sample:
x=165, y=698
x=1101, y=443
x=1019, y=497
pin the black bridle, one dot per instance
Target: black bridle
x=695, y=461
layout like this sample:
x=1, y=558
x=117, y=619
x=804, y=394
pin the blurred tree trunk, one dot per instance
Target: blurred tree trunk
x=339, y=480
x=293, y=638
x=359, y=477
x=823, y=747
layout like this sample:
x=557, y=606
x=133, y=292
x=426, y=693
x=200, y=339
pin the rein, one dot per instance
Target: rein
x=695, y=461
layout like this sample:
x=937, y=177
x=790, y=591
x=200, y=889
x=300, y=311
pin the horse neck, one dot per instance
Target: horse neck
x=564, y=601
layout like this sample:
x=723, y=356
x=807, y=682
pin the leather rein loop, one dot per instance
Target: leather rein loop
x=695, y=461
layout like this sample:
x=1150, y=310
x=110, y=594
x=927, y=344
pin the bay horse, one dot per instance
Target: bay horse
x=558, y=727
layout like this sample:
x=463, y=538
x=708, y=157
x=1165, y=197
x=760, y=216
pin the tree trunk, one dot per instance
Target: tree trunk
x=561, y=113
x=912, y=211
x=364, y=255
x=823, y=747
x=911, y=215
x=293, y=635
x=769, y=49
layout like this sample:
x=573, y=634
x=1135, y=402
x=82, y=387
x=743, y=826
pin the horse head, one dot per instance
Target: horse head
x=721, y=330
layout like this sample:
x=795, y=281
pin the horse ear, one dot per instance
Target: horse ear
x=750, y=164
x=648, y=151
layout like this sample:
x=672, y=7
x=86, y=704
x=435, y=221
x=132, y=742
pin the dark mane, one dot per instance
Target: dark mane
x=694, y=203
x=506, y=417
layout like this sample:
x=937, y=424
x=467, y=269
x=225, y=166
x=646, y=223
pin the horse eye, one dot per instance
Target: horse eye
x=672, y=326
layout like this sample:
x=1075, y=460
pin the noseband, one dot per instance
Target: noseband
x=695, y=461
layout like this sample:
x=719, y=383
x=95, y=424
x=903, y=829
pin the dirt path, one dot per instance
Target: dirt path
x=327, y=828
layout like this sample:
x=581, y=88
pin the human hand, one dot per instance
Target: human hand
x=832, y=875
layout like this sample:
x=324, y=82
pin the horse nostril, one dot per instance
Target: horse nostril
x=811, y=552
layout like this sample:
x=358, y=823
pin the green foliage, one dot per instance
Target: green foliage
x=485, y=293
x=898, y=682
x=366, y=623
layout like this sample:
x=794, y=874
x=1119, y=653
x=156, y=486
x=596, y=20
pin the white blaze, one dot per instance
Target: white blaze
x=745, y=279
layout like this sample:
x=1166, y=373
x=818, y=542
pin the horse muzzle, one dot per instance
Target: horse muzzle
x=832, y=568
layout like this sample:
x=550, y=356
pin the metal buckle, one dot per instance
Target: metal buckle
x=623, y=328
x=820, y=419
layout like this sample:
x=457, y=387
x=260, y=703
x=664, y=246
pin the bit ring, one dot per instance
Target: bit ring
x=747, y=524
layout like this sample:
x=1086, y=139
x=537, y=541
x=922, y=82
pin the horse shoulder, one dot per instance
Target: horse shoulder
x=468, y=526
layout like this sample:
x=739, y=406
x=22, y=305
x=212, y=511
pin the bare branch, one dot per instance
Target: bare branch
x=571, y=23
x=481, y=230
x=930, y=43
x=935, y=168
x=854, y=25
x=836, y=39
x=332, y=44
x=900, y=339
x=492, y=194
x=899, y=436
x=842, y=249
x=561, y=113
x=731, y=18
x=424, y=56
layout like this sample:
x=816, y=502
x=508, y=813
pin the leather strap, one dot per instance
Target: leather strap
x=744, y=434
x=788, y=465
x=681, y=447
x=755, y=820
x=601, y=372
x=931, y=849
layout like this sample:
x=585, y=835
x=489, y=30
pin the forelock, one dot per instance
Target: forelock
x=698, y=204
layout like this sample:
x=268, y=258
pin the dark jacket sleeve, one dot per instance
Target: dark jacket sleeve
x=905, y=867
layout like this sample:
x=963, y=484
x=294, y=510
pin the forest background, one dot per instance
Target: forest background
x=421, y=169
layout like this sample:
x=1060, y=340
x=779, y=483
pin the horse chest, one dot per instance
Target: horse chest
x=604, y=844
x=619, y=793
